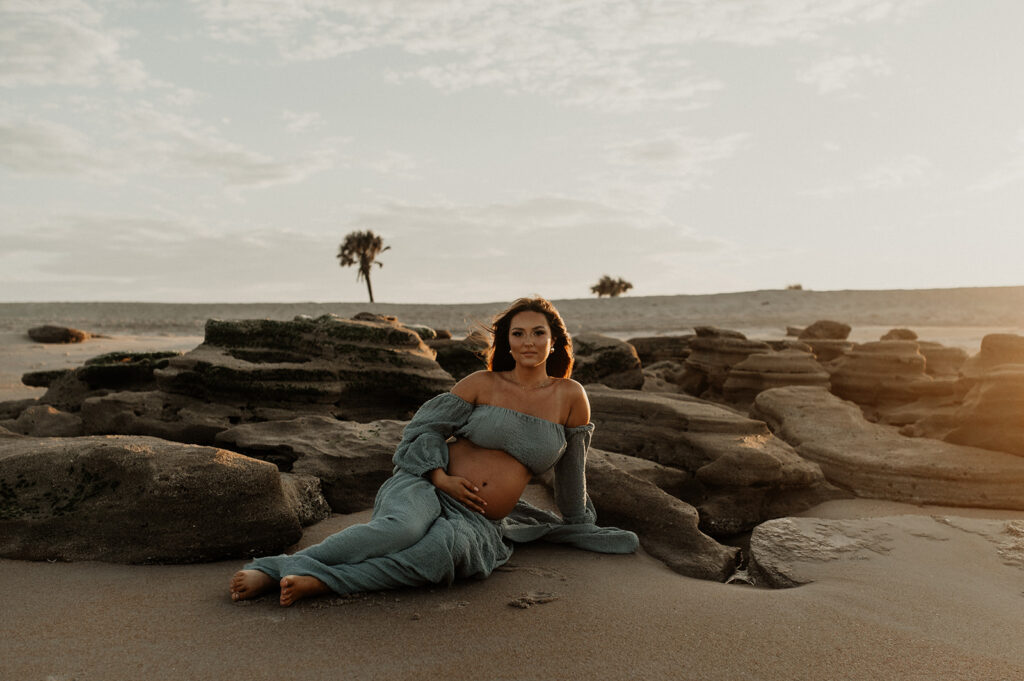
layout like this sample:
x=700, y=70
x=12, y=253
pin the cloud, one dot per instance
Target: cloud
x=63, y=42
x=900, y=172
x=1010, y=173
x=297, y=122
x=615, y=55
x=146, y=140
x=837, y=73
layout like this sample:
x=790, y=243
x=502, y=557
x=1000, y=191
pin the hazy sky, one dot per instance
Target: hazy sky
x=220, y=150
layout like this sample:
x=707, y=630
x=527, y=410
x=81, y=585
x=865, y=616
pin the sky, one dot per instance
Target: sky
x=220, y=150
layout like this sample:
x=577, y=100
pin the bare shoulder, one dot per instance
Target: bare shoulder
x=575, y=397
x=473, y=386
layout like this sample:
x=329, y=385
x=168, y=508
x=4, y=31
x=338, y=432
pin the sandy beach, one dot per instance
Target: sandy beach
x=927, y=599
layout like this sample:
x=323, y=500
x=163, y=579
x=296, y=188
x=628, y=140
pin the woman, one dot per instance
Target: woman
x=450, y=506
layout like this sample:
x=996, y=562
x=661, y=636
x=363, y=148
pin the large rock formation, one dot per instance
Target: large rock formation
x=606, y=360
x=351, y=460
x=941, y=361
x=885, y=373
x=742, y=475
x=765, y=370
x=100, y=375
x=825, y=329
x=713, y=353
x=138, y=500
x=363, y=369
x=667, y=527
x=44, y=421
x=876, y=461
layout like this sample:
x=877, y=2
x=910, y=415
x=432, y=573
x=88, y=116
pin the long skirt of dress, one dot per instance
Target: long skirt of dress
x=417, y=535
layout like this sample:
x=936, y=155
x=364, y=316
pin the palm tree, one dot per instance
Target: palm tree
x=612, y=288
x=362, y=248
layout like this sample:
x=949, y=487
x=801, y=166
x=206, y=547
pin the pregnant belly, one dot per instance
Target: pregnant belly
x=500, y=477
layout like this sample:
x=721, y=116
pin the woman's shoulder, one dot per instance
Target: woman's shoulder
x=575, y=396
x=471, y=387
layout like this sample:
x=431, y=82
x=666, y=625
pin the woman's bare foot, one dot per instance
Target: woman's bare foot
x=294, y=587
x=249, y=584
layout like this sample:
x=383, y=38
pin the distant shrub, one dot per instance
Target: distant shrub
x=794, y=287
x=612, y=288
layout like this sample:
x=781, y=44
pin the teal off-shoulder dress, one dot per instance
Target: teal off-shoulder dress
x=420, y=535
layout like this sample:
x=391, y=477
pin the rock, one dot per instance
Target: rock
x=762, y=371
x=351, y=460
x=100, y=375
x=462, y=357
x=667, y=527
x=424, y=332
x=780, y=345
x=885, y=373
x=712, y=354
x=374, y=317
x=606, y=360
x=50, y=333
x=664, y=377
x=138, y=500
x=789, y=552
x=651, y=349
x=43, y=379
x=996, y=350
x=304, y=495
x=990, y=416
x=11, y=409
x=875, y=461
x=899, y=334
x=172, y=417
x=941, y=361
x=443, y=334
x=826, y=350
x=794, y=330
x=364, y=370
x=45, y=421
x=826, y=330
x=742, y=475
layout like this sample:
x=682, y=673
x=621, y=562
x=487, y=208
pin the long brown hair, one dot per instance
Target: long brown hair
x=499, y=357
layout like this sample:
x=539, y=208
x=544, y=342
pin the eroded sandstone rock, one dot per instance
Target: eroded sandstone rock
x=651, y=349
x=45, y=421
x=742, y=474
x=50, y=333
x=606, y=360
x=351, y=460
x=138, y=500
x=876, y=461
x=363, y=369
x=885, y=373
x=713, y=353
x=461, y=357
x=825, y=329
x=667, y=527
x=762, y=371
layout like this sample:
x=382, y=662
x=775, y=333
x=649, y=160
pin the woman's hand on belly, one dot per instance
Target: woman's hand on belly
x=458, y=488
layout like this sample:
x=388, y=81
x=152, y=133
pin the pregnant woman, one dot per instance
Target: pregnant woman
x=452, y=505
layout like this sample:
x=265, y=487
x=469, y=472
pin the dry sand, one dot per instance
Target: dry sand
x=933, y=608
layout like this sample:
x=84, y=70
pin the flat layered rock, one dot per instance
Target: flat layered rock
x=825, y=329
x=351, y=460
x=990, y=415
x=713, y=353
x=138, y=500
x=885, y=373
x=742, y=474
x=50, y=333
x=364, y=369
x=460, y=357
x=876, y=461
x=44, y=421
x=763, y=371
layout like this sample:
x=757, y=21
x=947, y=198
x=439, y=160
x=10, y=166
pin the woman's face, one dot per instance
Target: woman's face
x=529, y=338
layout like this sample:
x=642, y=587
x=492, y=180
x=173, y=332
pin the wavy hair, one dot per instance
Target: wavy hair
x=499, y=356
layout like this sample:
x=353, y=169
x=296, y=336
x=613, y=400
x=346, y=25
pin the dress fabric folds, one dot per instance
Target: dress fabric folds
x=419, y=535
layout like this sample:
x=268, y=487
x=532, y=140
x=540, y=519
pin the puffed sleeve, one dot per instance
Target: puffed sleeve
x=570, y=481
x=423, y=447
